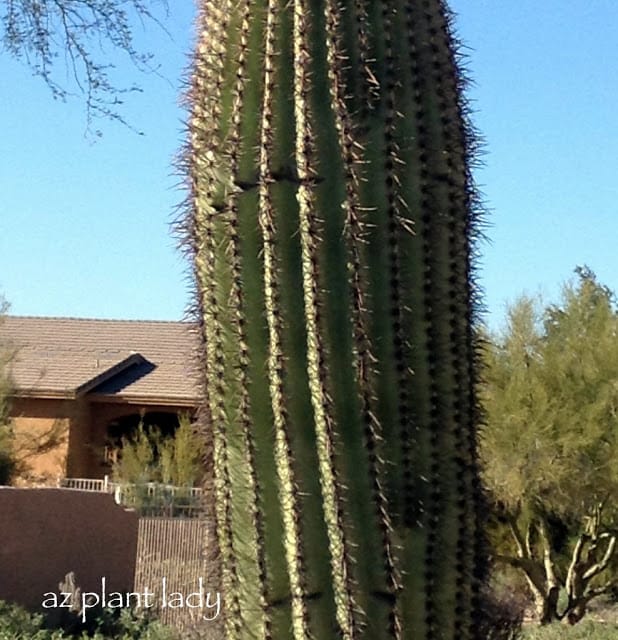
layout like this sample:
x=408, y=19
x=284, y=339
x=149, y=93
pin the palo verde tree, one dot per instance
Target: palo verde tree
x=44, y=32
x=330, y=223
x=551, y=443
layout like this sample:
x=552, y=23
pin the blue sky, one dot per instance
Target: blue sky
x=84, y=223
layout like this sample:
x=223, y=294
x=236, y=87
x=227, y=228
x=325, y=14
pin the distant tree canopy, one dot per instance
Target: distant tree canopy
x=552, y=403
x=550, y=448
x=76, y=32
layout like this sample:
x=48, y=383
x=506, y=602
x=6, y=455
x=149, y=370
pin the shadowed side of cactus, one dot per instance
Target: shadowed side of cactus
x=331, y=218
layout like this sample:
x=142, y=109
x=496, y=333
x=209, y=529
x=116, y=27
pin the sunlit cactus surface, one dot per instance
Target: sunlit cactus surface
x=331, y=221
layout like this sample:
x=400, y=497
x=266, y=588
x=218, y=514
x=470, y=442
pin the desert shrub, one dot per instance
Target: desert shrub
x=16, y=623
x=157, y=471
x=503, y=614
x=585, y=630
x=151, y=456
x=7, y=460
x=124, y=624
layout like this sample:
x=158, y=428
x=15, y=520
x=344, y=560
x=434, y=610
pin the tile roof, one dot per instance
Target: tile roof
x=133, y=359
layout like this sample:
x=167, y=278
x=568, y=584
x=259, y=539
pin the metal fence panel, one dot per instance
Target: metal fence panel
x=171, y=563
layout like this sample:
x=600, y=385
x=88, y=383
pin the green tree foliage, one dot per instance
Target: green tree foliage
x=550, y=449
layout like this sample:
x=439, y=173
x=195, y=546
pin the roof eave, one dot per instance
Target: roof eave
x=45, y=394
x=107, y=374
x=190, y=402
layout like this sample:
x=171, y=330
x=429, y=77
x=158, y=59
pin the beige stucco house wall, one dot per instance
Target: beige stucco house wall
x=41, y=431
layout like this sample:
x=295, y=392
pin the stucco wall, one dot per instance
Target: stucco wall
x=41, y=428
x=47, y=533
x=83, y=454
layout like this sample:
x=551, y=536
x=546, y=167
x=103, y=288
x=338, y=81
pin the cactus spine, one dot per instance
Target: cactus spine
x=330, y=220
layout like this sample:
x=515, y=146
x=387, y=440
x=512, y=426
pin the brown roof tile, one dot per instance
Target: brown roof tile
x=135, y=359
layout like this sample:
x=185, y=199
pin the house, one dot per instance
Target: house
x=79, y=385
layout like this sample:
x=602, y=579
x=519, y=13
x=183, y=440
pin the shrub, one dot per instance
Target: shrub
x=585, y=630
x=502, y=615
x=151, y=456
x=16, y=623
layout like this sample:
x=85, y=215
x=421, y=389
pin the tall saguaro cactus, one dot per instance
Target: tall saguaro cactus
x=331, y=220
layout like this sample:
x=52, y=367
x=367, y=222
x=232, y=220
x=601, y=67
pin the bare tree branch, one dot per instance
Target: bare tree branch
x=529, y=531
x=548, y=562
x=40, y=32
x=599, y=591
x=517, y=536
x=598, y=567
x=576, y=559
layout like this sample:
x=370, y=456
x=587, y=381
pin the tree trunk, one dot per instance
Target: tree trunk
x=590, y=557
x=545, y=604
x=576, y=612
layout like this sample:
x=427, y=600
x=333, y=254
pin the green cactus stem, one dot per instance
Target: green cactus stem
x=331, y=222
